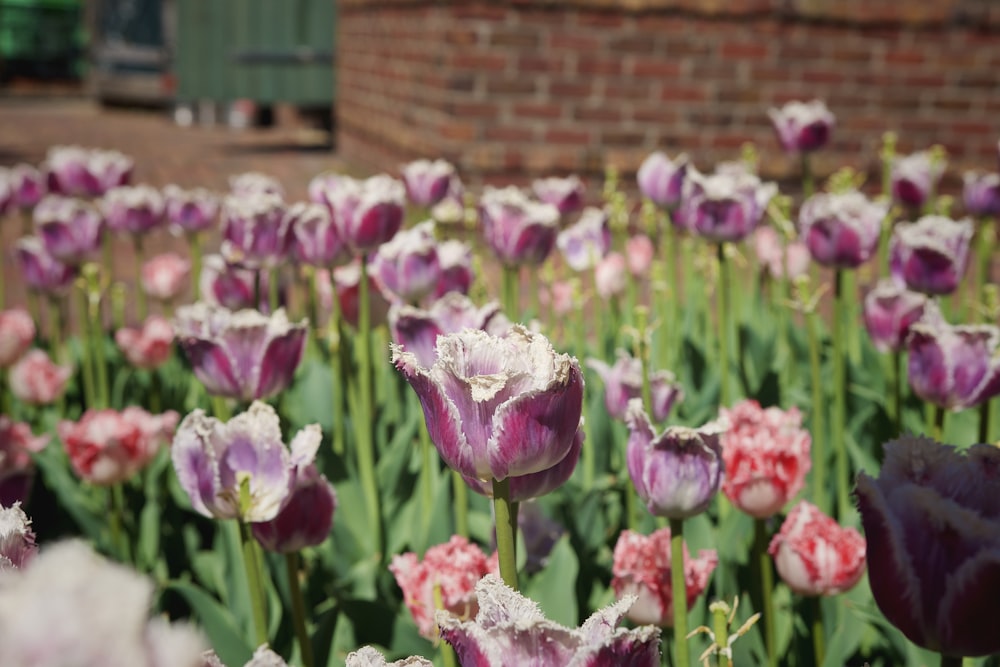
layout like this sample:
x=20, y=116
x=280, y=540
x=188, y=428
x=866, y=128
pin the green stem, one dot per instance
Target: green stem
x=679, y=588
x=194, y=240
x=363, y=421
x=155, y=392
x=460, y=498
x=55, y=331
x=273, y=297
x=117, y=521
x=252, y=564
x=897, y=391
x=766, y=584
x=818, y=428
x=337, y=369
x=510, y=293
x=838, y=425
x=97, y=346
x=298, y=608
x=720, y=626
x=807, y=176
x=721, y=299
x=4, y=400
x=447, y=652
x=671, y=303
x=87, y=360
x=984, y=421
x=818, y=630
x=642, y=352
x=427, y=462
x=505, y=529
x=140, y=293
x=220, y=408
x=936, y=427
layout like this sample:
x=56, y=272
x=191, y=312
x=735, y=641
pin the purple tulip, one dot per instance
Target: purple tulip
x=724, y=206
x=417, y=331
x=427, y=181
x=322, y=187
x=676, y=473
x=889, y=312
x=566, y=194
x=510, y=631
x=914, y=177
x=17, y=540
x=536, y=484
x=841, y=229
x=254, y=183
x=243, y=355
x=314, y=238
x=954, y=367
x=190, y=211
x=930, y=255
x=623, y=382
x=78, y=172
x=518, y=229
x=306, y=518
x=232, y=287
x=367, y=213
x=455, y=259
x=497, y=407
x=802, y=126
x=6, y=191
x=981, y=194
x=69, y=228
x=254, y=230
x=451, y=209
x=587, y=241
x=40, y=270
x=133, y=209
x=408, y=265
x=214, y=460
x=931, y=523
x=662, y=179
x=28, y=186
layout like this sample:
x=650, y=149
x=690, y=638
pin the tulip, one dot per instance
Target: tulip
x=255, y=183
x=322, y=186
x=254, y=231
x=566, y=194
x=148, y=347
x=802, y=126
x=262, y=657
x=370, y=657
x=240, y=469
x=28, y=186
x=347, y=279
x=17, y=444
x=662, y=179
x=914, y=177
x=454, y=568
x=109, y=447
x=611, y=276
x=841, y=229
x=243, y=355
x=777, y=258
x=36, y=380
x=510, y=630
x=109, y=169
x=40, y=270
x=954, y=367
x=306, y=518
x=981, y=194
x=814, y=555
x=766, y=454
x=367, y=213
x=69, y=228
x=230, y=286
x=642, y=569
x=639, y=254
x=17, y=540
x=930, y=520
x=190, y=211
x=417, y=331
x=889, y=312
x=407, y=265
x=561, y=296
x=451, y=209
x=6, y=191
x=133, y=209
x=930, y=255
x=163, y=276
x=314, y=238
x=623, y=382
x=17, y=333
x=427, y=181
x=724, y=206
x=497, y=407
x=541, y=534
x=78, y=172
x=455, y=260
x=587, y=241
x=517, y=229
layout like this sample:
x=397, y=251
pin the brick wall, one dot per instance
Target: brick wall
x=511, y=89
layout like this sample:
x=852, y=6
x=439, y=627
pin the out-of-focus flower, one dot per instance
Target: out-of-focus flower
x=623, y=382
x=262, y=657
x=914, y=177
x=611, y=275
x=675, y=473
x=17, y=332
x=367, y=656
x=497, y=407
x=244, y=355
x=254, y=232
x=40, y=270
x=109, y=169
x=108, y=447
x=802, y=126
x=766, y=454
x=306, y=518
x=255, y=183
x=190, y=211
x=27, y=185
x=163, y=276
x=347, y=280
x=323, y=185
x=814, y=555
x=561, y=296
x=17, y=444
x=407, y=265
x=776, y=257
x=69, y=228
x=724, y=206
x=455, y=260
x=955, y=367
x=314, y=238
x=930, y=519
x=451, y=209
x=930, y=255
x=230, y=286
x=417, y=330
x=70, y=606
x=642, y=568
x=662, y=179
x=148, y=347
x=510, y=631
x=427, y=181
x=587, y=241
x=981, y=194
x=639, y=254
x=367, y=213
x=454, y=567
x=540, y=535
x=517, y=229
x=6, y=191
x=536, y=484
x=78, y=172
x=566, y=194
x=36, y=380
x=240, y=469
x=134, y=209
x=17, y=540
x=889, y=312
x=841, y=229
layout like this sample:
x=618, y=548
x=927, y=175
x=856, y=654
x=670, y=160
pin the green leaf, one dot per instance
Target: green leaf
x=217, y=622
x=554, y=588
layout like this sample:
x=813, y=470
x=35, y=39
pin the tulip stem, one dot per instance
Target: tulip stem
x=642, y=353
x=818, y=632
x=337, y=368
x=96, y=340
x=720, y=628
x=766, y=583
x=671, y=311
x=935, y=425
x=273, y=298
x=840, y=397
x=505, y=527
x=460, y=498
x=447, y=652
x=679, y=588
x=819, y=450
x=140, y=293
x=194, y=240
x=363, y=422
x=510, y=296
x=258, y=603
x=117, y=523
x=721, y=299
x=984, y=421
x=428, y=475
x=293, y=568
x=87, y=360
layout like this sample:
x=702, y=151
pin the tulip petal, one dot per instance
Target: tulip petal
x=195, y=464
x=280, y=359
x=965, y=629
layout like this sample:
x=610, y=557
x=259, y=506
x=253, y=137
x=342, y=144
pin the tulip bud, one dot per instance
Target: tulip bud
x=27, y=185
x=255, y=183
x=407, y=265
x=915, y=177
x=40, y=270
x=587, y=241
x=724, y=206
x=519, y=230
x=842, y=229
x=255, y=234
x=623, y=383
x=148, y=347
x=802, y=126
x=17, y=444
x=367, y=213
x=190, y=211
x=133, y=209
x=954, y=367
x=931, y=254
x=36, y=380
x=427, y=181
x=455, y=260
x=981, y=194
x=889, y=312
x=306, y=518
x=662, y=179
x=566, y=194
x=314, y=238
x=17, y=333
x=163, y=276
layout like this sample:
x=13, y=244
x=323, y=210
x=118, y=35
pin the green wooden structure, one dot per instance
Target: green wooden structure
x=41, y=38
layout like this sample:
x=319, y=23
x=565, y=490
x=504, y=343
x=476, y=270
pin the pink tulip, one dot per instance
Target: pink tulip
x=148, y=347
x=775, y=260
x=17, y=444
x=610, y=275
x=17, y=332
x=639, y=254
x=36, y=380
x=163, y=276
x=814, y=555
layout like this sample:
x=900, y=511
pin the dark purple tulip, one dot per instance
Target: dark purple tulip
x=17, y=445
x=662, y=179
x=133, y=209
x=427, y=181
x=28, y=186
x=455, y=258
x=417, y=330
x=566, y=194
x=69, y=228
x=190, y=211
x=110, y=169
x=254, y=231
x=841, y=229
x=518, y=229
x=78, y=172
x=931, y=254
x=623, y=382
x=347, y=281
x=407, y=264
x=253, y=182
x=954, y=367
x=587, y=241
x=914, y=177
x=40, y=270
x=232, y=287
x=243, y=355
x=889, y=312
x=314, y=238
x=367, y=213
x=306, y=517
x=802, y=126
x=724, y=206
x=982, y=194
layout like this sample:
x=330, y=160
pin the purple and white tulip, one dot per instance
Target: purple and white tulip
x=427, y=181
x=306, y=518
x=725, y=206
x=367, y=656
x=518, y=229
x=231, y=287
x=40, y=270
x=190, y=211
x=417, y=330
x=255, y=233
x=954, y=367
x=407, y=264
x=133, y=209
x=566, y=194
x=367, y=213
x=914, y=177
x=587, y=241
x=931, y=254
x=17, y=540
x=455, y=260
x=889, y=312
x=314, y=238
x=69, y=228
x=623, y=382
x=253, y=183
x=79, y=172
x=981, y=194
x=841, y=229
x=662, y=179
x=27, y=186
x=802, y=126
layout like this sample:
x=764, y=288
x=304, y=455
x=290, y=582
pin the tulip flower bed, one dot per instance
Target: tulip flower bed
x=408, y=422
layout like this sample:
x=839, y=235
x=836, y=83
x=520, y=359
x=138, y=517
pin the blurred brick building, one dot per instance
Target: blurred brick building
x=510, y=88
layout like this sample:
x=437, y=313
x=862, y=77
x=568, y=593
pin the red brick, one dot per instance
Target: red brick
x=741, y=51
x=538, y=110
x=562, y=136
